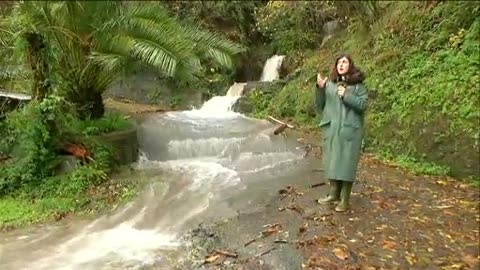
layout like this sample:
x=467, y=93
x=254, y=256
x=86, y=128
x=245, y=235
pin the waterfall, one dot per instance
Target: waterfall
x=236, y=89
x=221, y=106
x=271, y=68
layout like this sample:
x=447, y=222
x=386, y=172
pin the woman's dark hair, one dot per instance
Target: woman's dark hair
x=353, y=75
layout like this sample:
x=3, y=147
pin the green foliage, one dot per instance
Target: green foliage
x=423, y=69
x=36, y=127
x=88, y=44
x=234, y=18
x=175, y=101
x=32, y=183
x=414, y=165
x=295, y=25
x=433, y=84
x=108, y=123
x=260, y=101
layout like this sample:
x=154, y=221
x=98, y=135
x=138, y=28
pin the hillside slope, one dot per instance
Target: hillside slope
x=423, y=75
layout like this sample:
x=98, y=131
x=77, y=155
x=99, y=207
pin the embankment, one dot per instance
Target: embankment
x=423, y=74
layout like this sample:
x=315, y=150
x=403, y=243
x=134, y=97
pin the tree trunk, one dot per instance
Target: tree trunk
x=97, y=108
x=88, y=103
x=40, y=68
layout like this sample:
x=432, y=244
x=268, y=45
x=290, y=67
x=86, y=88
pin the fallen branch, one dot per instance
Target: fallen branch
x=289, y=190
x=226, y=253
x=265, y=252
x=271, y=230
x=258, y=255
x=272, y=119
x=219, y=255
x=293, y=207
x=251, y=241
x=308, y=147
x=282, y=241
x=318, y=184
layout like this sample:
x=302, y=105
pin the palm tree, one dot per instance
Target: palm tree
x=83, y=46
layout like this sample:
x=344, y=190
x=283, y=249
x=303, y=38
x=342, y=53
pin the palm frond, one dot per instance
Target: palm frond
x=112, y=63
x=189, y=70
x=156, y=56
x=219, y=57
x=207, y=39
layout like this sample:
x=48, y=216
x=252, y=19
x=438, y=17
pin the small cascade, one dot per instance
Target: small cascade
x=197, y=166
x=221, y=106
x=271, y=69
x=236, y=90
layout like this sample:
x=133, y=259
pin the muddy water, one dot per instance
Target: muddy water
x=200, y=166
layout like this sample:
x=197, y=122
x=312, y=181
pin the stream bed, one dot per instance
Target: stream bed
x=201, y=166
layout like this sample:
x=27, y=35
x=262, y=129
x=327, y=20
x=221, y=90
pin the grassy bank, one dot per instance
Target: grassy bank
x=422, y=68
x=37, y=185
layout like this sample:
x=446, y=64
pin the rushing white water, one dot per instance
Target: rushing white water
x=194, y=161
x=271, y=68
x=220, y=106
x=236, y=90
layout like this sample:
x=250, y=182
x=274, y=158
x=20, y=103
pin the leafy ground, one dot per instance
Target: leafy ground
x=397, y=221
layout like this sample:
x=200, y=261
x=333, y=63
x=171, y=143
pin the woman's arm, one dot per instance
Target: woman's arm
x=359, y=101
x=320, y=97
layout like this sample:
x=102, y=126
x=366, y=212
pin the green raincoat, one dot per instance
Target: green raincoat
x=341, y=128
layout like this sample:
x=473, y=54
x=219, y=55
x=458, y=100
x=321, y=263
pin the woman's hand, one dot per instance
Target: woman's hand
x=321, y=81
x=341, y=90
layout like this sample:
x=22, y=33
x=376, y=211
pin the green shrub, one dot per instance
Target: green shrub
x=423, y=69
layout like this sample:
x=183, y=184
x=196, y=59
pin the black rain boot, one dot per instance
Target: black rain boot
x=345, y=197
x=334, y=193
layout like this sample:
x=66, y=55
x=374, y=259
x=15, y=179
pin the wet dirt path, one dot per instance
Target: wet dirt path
x=396, y=221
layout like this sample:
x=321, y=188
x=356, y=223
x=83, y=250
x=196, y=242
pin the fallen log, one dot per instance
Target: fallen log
x=279, y=129
x=282, y=124
x=272, y=119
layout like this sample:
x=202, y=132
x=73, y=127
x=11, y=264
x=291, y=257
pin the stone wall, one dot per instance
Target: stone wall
x=148, y=88
x=124, y=144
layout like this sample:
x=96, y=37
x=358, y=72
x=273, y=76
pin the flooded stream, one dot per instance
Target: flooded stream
x=202, y=165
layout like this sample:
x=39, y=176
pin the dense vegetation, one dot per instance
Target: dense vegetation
x=69, y=53
x=423, y=69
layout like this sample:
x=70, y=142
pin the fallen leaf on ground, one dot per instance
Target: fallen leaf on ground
x=212, y=258
x=340, y=253
x=470, y=260
x=443, y=183
x=226, y=253
x=303, y=228
x=390, y=245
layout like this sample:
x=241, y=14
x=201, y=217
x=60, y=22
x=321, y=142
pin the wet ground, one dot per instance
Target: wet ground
x=222, y=192
x=396, y=221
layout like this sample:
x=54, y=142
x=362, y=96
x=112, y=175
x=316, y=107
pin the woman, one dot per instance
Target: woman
x=343, y=99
